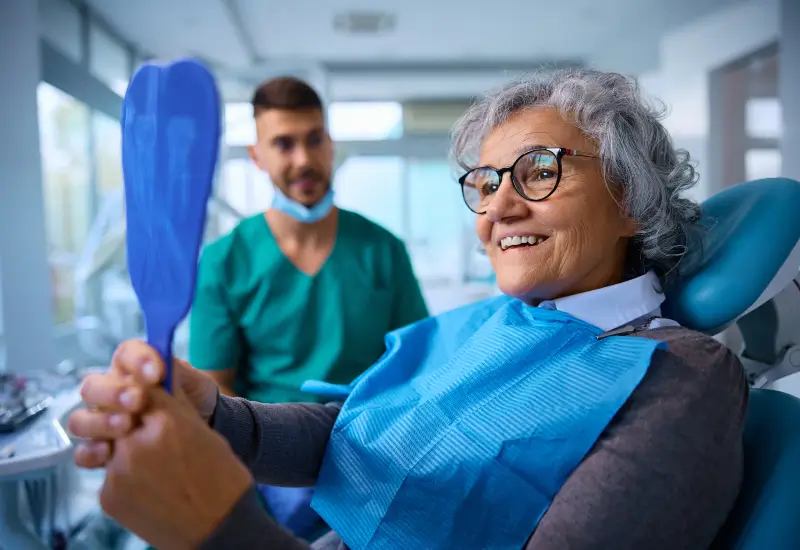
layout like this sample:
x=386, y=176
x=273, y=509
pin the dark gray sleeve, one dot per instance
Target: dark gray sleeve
x=280, y=444
x=666, y=472
x=248, y=527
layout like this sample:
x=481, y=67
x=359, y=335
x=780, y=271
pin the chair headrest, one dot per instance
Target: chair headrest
x=750, y=251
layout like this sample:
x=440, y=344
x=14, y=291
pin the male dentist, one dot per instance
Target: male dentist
x=303, y=291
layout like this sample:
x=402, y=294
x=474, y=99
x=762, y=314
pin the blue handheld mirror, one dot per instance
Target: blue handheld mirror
x=170, y=140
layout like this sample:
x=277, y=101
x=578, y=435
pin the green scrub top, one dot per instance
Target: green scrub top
x=254, y=311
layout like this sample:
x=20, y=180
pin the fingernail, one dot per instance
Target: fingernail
x=116, y=420
x=98, y=449
x=149, y=371
x=82, y=449
x=126, y=399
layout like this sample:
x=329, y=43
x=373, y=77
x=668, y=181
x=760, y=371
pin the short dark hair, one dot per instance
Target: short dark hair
x=287, y=93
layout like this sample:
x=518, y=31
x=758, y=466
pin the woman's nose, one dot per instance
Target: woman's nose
x=506, y=202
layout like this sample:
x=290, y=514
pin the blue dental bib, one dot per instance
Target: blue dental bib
x=464, y=431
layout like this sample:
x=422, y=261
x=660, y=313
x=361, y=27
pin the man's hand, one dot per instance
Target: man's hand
x=172, y=480
x=116, y=399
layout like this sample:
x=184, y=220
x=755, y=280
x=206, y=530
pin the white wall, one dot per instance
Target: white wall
x=26, y=288
x=393, y=85
x=789, y=83
x=687, y=56
x=789, y=86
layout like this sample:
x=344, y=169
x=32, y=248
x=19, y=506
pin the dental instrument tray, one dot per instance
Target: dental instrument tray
x=19, y=406
x=15, y=418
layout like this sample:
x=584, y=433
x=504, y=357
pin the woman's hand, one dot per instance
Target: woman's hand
x=172, y=480
x=116, y=400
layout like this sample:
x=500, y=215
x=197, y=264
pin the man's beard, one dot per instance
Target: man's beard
x=320, y=182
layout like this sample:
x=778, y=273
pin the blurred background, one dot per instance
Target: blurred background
x=395, y=76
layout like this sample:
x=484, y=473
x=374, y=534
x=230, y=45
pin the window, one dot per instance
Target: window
x=107, y=153
x=441, y=239
x=244, y=190
x=60, y=23
x=373, y=187
x=346, y=122
x=356, y=121
x=440, y=228
x=764, y=118
x=240, y=129
x=419, y=201
x=64, y=134
x=109, y=60
x=762, y=163
x=101, y=273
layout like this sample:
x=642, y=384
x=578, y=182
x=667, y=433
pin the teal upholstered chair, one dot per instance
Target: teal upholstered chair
x=750, y=252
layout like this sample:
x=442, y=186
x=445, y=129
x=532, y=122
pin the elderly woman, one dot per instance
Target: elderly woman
x=567, y=414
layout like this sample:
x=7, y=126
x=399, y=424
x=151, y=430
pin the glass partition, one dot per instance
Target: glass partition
x=107, y=155
x=439, y=228
x=365, y=121
x=373, y=187
x=239, y=127
x=66, y=165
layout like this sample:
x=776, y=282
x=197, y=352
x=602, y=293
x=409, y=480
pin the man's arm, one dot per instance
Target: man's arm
x=408, y=304
x=666, y=472
x=281, y=445
x=215, y=343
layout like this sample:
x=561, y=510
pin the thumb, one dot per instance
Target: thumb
x=174, y=402
x=180, y=368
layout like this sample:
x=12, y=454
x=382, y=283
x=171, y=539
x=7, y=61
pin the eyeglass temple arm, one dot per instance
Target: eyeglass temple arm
x=574, y=153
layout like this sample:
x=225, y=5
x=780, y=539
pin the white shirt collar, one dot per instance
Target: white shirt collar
x=613, y=306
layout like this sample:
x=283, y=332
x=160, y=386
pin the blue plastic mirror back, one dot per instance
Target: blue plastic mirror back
x=170, y=140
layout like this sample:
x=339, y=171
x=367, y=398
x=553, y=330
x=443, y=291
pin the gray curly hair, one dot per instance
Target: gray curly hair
x=636, y=152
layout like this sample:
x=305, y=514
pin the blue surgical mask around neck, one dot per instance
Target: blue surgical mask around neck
x=302, y=213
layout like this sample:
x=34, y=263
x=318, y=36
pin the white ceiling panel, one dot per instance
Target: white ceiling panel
x=174, y=28
x=255, y=39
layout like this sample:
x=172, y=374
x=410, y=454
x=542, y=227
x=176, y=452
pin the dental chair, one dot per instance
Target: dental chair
x=750, y=255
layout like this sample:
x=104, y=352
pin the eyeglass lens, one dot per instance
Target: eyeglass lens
x=535, y=174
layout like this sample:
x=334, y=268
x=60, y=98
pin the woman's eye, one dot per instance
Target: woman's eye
x=545, y=173
x=488, y=188
x=539, y=174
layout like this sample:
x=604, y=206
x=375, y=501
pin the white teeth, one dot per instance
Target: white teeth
x=508, y=242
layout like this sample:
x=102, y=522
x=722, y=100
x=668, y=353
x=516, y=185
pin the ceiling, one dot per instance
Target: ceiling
x=422, y=48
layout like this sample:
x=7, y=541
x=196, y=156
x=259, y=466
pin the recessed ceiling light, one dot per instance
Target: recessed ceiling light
x=364, y=22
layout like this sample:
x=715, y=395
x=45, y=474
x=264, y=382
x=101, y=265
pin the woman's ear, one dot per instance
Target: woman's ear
x=630, y=227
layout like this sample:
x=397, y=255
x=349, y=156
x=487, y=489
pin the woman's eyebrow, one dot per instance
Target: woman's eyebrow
x=529, y=147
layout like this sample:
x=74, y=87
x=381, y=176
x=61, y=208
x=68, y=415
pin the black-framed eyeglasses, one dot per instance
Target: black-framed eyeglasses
x=535, y=175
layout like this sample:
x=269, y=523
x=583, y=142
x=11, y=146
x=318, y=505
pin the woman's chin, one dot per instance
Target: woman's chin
x=524, y=292
x=528, y=287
